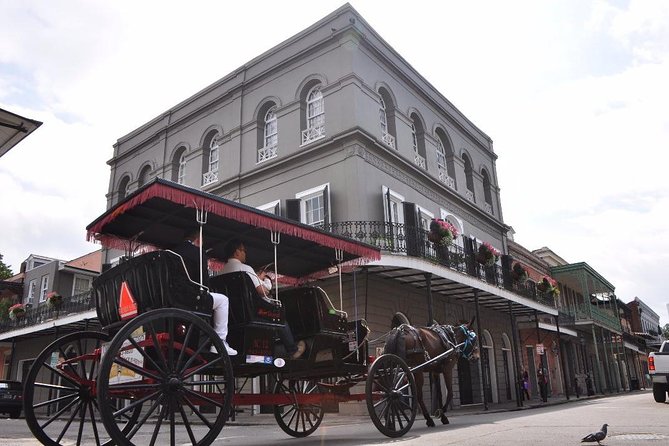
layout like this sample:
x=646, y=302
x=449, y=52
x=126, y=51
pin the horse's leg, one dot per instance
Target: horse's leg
x=418, y=377
x=448, y=380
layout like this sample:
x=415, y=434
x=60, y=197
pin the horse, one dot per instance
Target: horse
x=417, y=345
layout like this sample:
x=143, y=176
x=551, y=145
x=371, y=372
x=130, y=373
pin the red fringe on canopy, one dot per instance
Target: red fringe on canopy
x=227, y=210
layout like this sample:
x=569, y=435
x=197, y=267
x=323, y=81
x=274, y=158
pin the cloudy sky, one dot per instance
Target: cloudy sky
x=573, y=93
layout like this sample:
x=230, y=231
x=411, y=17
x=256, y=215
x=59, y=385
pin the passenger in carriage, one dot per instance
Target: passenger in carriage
x=235, y=253
x=189, y=251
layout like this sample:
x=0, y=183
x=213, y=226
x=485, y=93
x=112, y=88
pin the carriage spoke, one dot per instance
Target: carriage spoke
x=55, y=400
x=129, y=365
x=183, y=350
x=156, y=346
x=69, y=422
x=82, y=422
x=94, y=423
x=159, y=422
x=145, y=355
x=184, y=417
x=59, y=413
x=197, y=412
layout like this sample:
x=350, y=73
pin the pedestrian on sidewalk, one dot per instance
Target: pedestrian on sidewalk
x=526, y=385
x=542, y=383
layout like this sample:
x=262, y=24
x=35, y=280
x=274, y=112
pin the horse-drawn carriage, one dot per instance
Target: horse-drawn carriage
x=150, y=375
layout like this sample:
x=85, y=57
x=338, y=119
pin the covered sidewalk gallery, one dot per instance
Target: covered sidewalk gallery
x=428, y=292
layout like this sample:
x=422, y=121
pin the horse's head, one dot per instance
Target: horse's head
x=466, y=336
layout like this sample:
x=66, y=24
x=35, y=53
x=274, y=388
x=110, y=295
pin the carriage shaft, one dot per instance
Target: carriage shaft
x=437, y=358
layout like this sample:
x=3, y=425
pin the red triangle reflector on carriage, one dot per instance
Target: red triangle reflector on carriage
x=127, y=307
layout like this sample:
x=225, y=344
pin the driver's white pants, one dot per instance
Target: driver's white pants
x=221, y=308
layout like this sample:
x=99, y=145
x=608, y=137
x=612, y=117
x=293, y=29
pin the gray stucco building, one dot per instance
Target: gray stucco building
x=334, y=128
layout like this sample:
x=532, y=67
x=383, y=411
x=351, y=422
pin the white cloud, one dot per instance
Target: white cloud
x=572, y=93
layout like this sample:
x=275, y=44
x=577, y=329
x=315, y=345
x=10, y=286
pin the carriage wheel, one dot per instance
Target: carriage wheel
x=59, y=393
x=391, y=396
x=298, y=420
x=179, y=383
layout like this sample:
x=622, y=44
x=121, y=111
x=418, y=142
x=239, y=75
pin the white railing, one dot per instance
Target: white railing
x=312, y=134
x=388, y=139
x=469, y=195
x=209, y=177
x=488, y=208
x=444, y=178
x=267, y=153
x=419, y=160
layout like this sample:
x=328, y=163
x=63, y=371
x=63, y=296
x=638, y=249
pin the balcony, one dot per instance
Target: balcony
x=312, y=134
x=591, y=313
x=419, y=161
x=396, y=238
x=43, y=313
x=388, y=140
x=209, y=177
x=444, y=178
x=267, y=153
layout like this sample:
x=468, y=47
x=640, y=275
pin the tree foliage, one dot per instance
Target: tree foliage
x=5, y=271
x=665, y=331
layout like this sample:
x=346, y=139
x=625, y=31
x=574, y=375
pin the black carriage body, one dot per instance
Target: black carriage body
x=155, y=280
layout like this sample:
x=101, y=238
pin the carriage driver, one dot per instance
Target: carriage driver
x=189, y=251
x=235, y=253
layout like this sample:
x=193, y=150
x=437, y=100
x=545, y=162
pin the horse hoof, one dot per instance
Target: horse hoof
x=429, y=423
x=444, y=420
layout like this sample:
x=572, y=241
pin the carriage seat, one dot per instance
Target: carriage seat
x=246, y=306
x=155, y=280
x=309, y=312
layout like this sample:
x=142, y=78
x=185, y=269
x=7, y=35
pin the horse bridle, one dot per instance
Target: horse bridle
x=467, y=349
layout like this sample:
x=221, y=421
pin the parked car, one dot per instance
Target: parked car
x=11, y=398
x=658, y=366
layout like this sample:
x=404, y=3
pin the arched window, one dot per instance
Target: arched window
x=143, y=176
x=445, y=163
x=210, y=156
x=387, y=118
x=487, y=193
x=418, y=141
x=179, y=166
x=469, y=175
x=123, y=187
x=270, y=136
x=315, y=116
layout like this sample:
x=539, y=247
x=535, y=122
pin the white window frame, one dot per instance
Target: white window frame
x=425, y=218
x=458, y=223
x=80, y=277
x=269, y=207
x=397, y=200
x=386, y=137
x=441, y=154
x=32, y=286
x=181, y=170
x=211, y=175
x=315, y=116
x=44, y=287
x=270, y=136
x=306, y=195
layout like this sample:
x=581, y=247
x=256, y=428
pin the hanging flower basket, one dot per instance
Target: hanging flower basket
x=17, y=311
x=54, y=300
x=549, y=286
x=487, y=255
x=519, y=273
x=441, y=232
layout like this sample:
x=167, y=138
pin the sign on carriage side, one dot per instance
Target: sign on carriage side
x=119, y=374
x=127, y=306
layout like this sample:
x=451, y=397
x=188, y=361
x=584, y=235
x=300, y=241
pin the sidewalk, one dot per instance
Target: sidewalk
x=246, y=419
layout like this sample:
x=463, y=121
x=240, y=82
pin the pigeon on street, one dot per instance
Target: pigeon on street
x=595, y=436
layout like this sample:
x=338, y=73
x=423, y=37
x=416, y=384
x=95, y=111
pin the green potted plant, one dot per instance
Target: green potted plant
x=548, y=285
x=17, y=311
x=487, y=255
x=519, y=273
x=54, y=300
x=442, y=232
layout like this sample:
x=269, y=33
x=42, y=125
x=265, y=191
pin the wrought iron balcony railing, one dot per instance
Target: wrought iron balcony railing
x=42, y=312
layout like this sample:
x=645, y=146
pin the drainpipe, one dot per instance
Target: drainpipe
x=516, y=358
x=561, y=353
x=430, y=304
x=484, y=378
x=600, y=370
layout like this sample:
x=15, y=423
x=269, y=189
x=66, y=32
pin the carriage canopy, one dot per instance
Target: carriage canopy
x=162, y=213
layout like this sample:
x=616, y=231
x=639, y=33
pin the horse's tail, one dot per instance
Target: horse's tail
x=395, y=343
x=399, y=319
